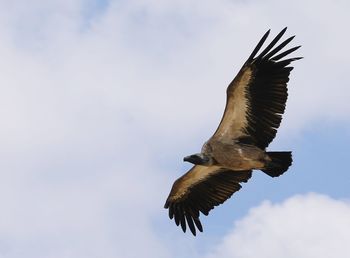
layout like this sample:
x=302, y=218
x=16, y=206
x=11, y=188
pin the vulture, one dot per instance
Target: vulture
x=255, y=102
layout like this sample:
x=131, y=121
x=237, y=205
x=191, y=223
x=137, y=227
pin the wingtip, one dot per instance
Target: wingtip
x=183, y=225
x=258, y=46
x=282, y=31
x=266, y=52
x=177, y=221
x=198, y=224
x=193, y=231
x=171, y=212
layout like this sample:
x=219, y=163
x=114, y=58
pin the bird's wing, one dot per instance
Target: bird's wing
x=200, y=190
x=257, y=96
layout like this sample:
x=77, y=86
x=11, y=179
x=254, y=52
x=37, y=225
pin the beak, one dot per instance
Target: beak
x=194, y=159
x=188, y=158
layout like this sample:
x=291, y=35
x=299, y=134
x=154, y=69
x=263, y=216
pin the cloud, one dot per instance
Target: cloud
x=139, y=57
x=311, y=225
x=93, y=107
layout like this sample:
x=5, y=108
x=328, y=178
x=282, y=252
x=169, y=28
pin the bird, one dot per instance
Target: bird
x=255, y=102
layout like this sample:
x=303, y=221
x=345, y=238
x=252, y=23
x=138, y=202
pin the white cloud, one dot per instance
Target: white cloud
x=303, y=226
x=90, y=112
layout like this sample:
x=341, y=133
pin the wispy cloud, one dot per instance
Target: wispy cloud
x=93, y=107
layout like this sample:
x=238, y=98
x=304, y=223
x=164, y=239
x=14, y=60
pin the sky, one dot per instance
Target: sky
x=101, y=100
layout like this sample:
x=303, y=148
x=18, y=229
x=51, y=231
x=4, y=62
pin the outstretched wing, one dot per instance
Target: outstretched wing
x=200, y=190
x=257, y=96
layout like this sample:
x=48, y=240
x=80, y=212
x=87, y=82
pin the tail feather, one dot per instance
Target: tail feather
x=280, y=162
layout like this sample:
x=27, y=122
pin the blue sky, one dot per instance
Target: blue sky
x=101, y=100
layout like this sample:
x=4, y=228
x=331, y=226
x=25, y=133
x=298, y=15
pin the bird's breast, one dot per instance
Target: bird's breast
x=239, y=156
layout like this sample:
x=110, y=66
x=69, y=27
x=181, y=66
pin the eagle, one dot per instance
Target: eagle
x=255, y=102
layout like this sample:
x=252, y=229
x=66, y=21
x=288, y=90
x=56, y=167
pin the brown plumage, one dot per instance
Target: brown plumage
x=256, y=100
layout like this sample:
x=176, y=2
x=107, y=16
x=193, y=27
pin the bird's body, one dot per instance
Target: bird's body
x=235, y=155
x=255, y=103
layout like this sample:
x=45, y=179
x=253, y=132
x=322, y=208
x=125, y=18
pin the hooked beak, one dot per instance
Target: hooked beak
x=196, y=159
x=189, y=158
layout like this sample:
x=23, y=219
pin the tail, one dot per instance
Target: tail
x=280, y=162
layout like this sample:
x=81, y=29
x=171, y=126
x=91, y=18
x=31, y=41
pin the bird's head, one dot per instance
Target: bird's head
x=199, y=159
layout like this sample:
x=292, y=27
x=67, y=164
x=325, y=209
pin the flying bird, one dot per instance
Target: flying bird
x=255, y=102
